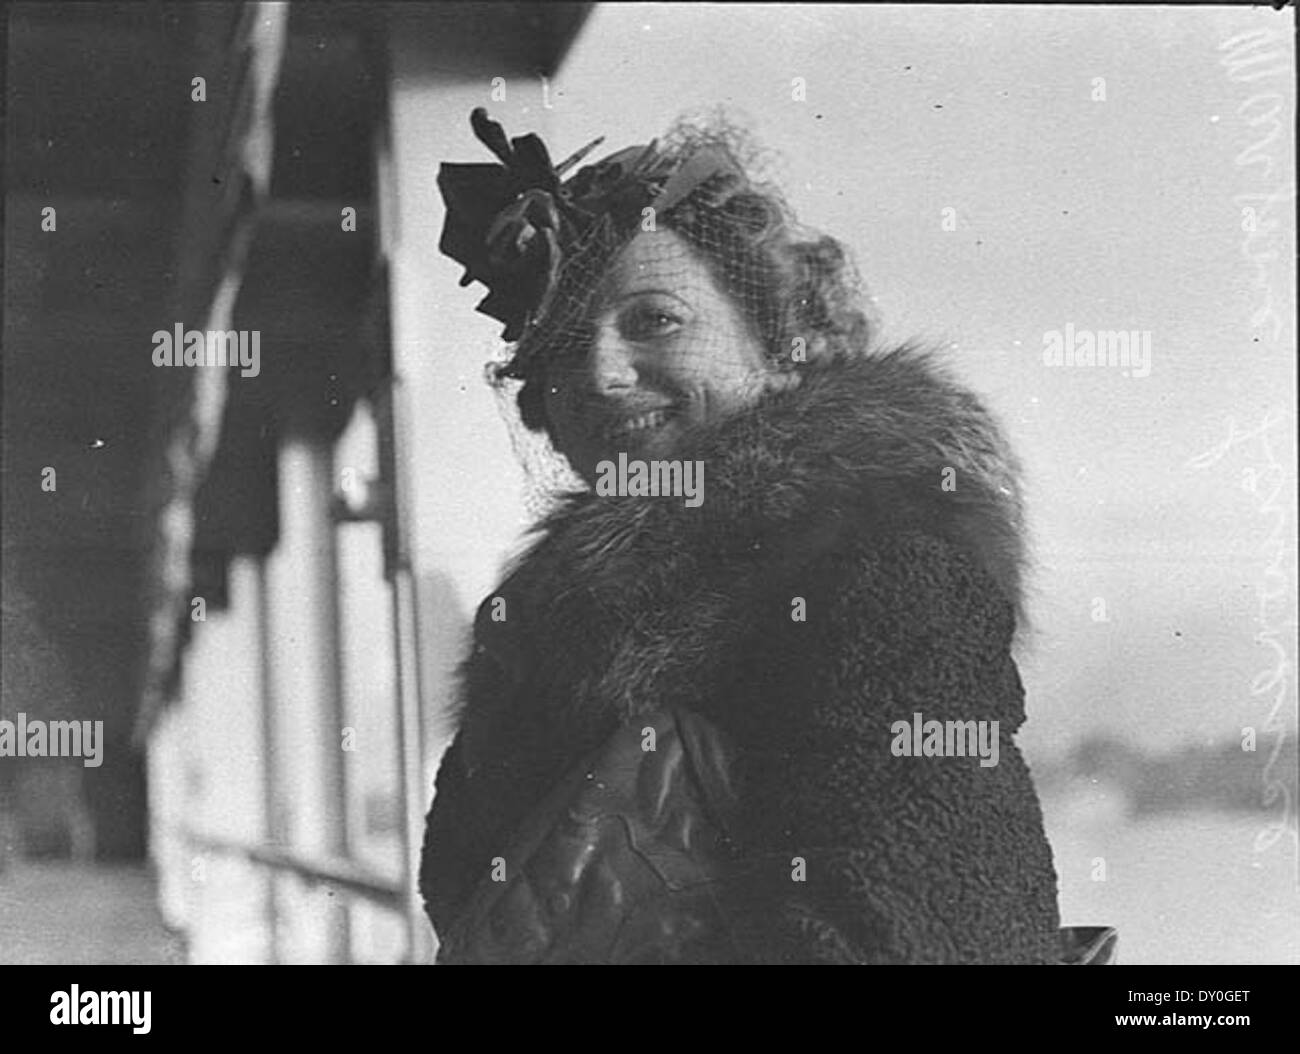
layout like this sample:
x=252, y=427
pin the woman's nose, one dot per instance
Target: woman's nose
x=612, y=363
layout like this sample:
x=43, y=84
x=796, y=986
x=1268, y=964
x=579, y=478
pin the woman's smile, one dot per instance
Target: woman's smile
x=638, y=427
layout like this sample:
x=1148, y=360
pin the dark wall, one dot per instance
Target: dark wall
x=97, y=99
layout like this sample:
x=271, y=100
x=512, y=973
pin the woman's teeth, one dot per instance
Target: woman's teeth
x=634, y=426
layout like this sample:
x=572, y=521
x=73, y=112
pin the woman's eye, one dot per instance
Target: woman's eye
x=647, y=323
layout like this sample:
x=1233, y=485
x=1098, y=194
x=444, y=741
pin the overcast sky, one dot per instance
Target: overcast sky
x=1111, y=204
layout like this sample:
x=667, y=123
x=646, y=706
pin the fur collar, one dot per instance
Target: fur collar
x=626, y=597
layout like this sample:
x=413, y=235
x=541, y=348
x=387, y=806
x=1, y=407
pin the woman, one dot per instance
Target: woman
x=687, y=731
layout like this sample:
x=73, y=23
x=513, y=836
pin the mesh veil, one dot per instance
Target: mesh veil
x=729, y=222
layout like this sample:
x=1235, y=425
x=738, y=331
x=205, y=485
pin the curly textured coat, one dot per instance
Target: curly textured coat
x=830, y=492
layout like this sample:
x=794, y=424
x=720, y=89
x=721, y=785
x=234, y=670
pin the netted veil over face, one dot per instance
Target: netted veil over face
x=544, y=247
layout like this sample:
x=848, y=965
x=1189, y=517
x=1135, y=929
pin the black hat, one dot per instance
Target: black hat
x=515, y=226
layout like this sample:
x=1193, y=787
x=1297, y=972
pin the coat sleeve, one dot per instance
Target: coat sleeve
x=851, y=853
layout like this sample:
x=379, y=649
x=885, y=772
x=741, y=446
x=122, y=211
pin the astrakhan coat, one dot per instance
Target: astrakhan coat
x=678, y=728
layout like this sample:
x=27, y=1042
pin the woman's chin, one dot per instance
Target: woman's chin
x=658, y=447
x=651, y=445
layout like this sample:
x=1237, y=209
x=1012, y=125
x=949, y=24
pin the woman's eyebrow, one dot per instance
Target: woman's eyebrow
x=648, y=291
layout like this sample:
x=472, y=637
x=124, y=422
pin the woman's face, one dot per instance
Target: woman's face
x=668, y=349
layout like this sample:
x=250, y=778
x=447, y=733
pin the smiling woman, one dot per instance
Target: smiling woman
x=675, y=736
